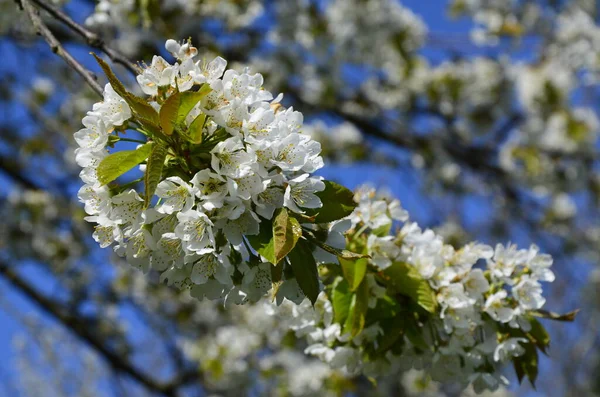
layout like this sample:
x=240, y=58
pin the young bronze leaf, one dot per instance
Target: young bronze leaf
x=570, y=316
x=138, y=105
x=116, y=164
x=168, y=113
x=195, y=129
x=112, y=78
x=154, y=167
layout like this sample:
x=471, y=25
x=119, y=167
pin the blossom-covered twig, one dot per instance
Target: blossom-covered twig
x=230, y=210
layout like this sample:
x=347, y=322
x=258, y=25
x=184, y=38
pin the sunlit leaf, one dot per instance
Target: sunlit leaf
x=355, y=322
x=116, y=164
x=286, y=232
x=354, y=270
x=407, y=281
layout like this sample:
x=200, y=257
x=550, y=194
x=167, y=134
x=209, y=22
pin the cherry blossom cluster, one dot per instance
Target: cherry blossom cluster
x=252, y=159
x=484, y=300
x=230, y=210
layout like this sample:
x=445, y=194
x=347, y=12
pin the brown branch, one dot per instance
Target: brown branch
x=91, y=38
x=10, y=168
x=82, y=330
x=57, y=48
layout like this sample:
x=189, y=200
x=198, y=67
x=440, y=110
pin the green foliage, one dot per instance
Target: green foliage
x=116, y=164
x=154, y=168
x=343, y=253
x=305, y=269
x=168, y=113
x=177, y=106
x=350, y=308
x=276, y=238
x=338, y=202
x=286, y=232
x=407, y=281
x=357, y=312
x=195, y=129
x=189, y=99
x=538, y=335
x=139, y=106
x=341, y=297
x=263, y=242
x=527, y=364
x=354, y=271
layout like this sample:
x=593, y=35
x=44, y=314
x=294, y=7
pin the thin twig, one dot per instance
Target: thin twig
x=91, y=38
x=57, y=48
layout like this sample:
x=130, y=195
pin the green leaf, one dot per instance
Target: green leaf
x=153, y=129
x=276, y=275
x=189, y=99
x=527, y=364
x=175, y=109
x=341, y=297
x=195, y=129
x=354, y=270
x=116, y=164
x=414, y=333
x=346, y=254
x=538, y=335
x=138, y=105
x=305, y=269
x=355, y=322
x=407, y=281
x=394, y=330
x=168, y=113
x=263, y=241
x=154, y=167
x=286, y=232
x=386, y=308
x=141, y=108
x=338, y=202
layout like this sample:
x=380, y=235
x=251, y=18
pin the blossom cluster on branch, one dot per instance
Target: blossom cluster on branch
x=458, y=314
x=227, y=207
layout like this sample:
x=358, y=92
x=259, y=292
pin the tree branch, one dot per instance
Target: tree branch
x=91, y=38
x=57, y=48
x=81, y=329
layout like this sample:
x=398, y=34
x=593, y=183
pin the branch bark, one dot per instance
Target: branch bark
x=91, y=38
x=82, y=330
x=57, y=48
